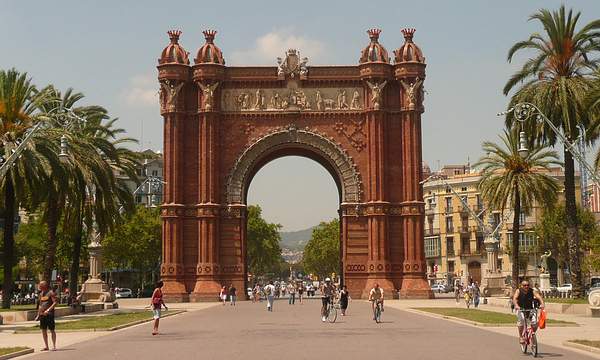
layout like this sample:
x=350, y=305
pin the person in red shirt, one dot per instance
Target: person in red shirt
x=157, y=303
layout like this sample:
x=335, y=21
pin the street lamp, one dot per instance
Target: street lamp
x=525, y=111
x=64, y=149
x=523, y=150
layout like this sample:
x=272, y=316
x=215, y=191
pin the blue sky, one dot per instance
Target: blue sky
x=108, y=50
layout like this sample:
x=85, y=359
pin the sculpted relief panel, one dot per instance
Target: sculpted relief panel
x=308, y=99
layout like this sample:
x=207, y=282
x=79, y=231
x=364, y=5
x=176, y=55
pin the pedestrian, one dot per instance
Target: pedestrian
x=476, y=294
x=270, y=293
x=300, y=292
x=232, y=295
x=157, y=303
x=292, y=293
x=45, y=307
x=223, y=294
x=257, y=291
x=344, y=298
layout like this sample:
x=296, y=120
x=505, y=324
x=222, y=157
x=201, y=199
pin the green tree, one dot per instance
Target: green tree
x=19, y=112
x=551, y=236
x=557, y=80
x=512, y=181
x=264, y=250
x=136, y=243
x=322, y=253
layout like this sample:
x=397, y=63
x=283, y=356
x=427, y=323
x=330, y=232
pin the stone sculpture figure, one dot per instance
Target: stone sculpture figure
x=275, y=101
x=303, y=67
x=208, y=92
x=341, y=99
x=376, y=89
x=411, y=91
x=355, y=103
x=544, y=261
x=169, y=92
x=319, y=101
x=259, y=103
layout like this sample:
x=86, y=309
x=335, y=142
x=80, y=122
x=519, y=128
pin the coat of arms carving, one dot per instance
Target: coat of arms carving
x=292, y=66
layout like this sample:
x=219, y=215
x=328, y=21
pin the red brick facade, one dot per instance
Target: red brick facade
x=222, y=124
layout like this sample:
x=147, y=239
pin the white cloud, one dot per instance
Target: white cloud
x=274, y=44
x=142, y=91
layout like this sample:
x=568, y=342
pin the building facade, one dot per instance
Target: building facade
x=454, y=240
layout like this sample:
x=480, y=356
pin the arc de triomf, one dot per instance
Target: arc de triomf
x=223, y=123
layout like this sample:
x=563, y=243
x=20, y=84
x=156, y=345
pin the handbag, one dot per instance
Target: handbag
x=542, y=320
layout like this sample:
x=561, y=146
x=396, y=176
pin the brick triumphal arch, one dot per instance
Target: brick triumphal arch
x=223, y=123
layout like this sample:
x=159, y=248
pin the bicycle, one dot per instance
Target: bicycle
x=377, y=311
x=529, y=334
x=331, y=310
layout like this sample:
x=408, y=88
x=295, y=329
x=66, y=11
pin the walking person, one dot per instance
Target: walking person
x=476, y=294
x=223, y=294
x=157, y=303
x=45, y=306
x=270, y=293
x=257, y=291
x=344, y=298
x=232, y=295
x=292, y=293
x=300, y=292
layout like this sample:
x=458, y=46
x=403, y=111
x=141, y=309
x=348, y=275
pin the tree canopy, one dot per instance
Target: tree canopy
x=264, y=250
x=322, y=253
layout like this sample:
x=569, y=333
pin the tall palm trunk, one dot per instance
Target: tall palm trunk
x=74, y=272
x=572, y=224
x=52, y=221
x=9, y=241
x=515, y=239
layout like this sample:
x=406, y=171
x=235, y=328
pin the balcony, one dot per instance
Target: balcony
x=464, y=229
x=449, y=209
x=431, y=253
x=450, y=252
x=465, y=252
x=463, y=209
x=477, y=229
x=477, y=208
x=429, y=209
x=450, y=229
x=431, y=231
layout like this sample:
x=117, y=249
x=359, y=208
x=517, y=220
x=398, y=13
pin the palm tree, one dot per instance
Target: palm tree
x=509, y=180
x=19, y=104
x=556, y=79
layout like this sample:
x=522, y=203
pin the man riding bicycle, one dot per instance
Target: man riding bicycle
x=523, y=299
x=327, y=292
x=376, y=296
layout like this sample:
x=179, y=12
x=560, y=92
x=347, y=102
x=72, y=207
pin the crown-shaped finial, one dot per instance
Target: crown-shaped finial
x=374, y=34
x=209, y=35
x=174, y=35
x=408, y=34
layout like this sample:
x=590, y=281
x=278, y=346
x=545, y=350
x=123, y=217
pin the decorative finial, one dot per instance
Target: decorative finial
x=174, y=36
x=209, y=35
x=374, y=34
x=408, y=34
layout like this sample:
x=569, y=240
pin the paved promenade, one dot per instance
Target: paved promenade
x=248, y=331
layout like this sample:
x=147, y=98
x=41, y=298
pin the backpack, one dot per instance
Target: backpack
x=268, y=290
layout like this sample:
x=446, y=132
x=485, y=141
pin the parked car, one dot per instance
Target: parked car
x=594, y=287
x=439, y=288
x=123, y=293
x=565, y=288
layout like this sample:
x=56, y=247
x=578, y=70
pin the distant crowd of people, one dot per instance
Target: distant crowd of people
x=471, y=293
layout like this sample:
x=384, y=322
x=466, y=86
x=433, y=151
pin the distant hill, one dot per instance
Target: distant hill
x=296, y=240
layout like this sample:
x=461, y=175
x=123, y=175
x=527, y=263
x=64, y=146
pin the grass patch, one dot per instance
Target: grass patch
x=481, y=316
x=27, y=307
x=566, y=301
x=10, y=350
x=103, y=322
x=593, y=343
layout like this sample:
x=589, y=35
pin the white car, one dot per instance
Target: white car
x=439, y=288
x=123, y=293
x=565, y=288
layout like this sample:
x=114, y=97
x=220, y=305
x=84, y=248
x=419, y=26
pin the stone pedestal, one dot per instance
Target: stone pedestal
x=493, y=281
x=94, y=289
x=545, y=282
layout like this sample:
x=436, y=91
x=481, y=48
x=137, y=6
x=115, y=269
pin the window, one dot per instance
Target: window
x=496, y=219
x=450, y=266
x=449, y=204
x=480, y=244
x=465, y=246
x=154, y=172
x=449, y=246
x=138, y=199
x=449, y=225
x=522, y=217
x=463, y=189
x=432, y=247
x=456, y=172
x=527, y=240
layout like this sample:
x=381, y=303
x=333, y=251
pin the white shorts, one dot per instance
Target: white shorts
x=156, y=313
x=532, y=317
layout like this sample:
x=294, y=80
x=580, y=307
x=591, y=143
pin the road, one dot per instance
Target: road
x=248, y=331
